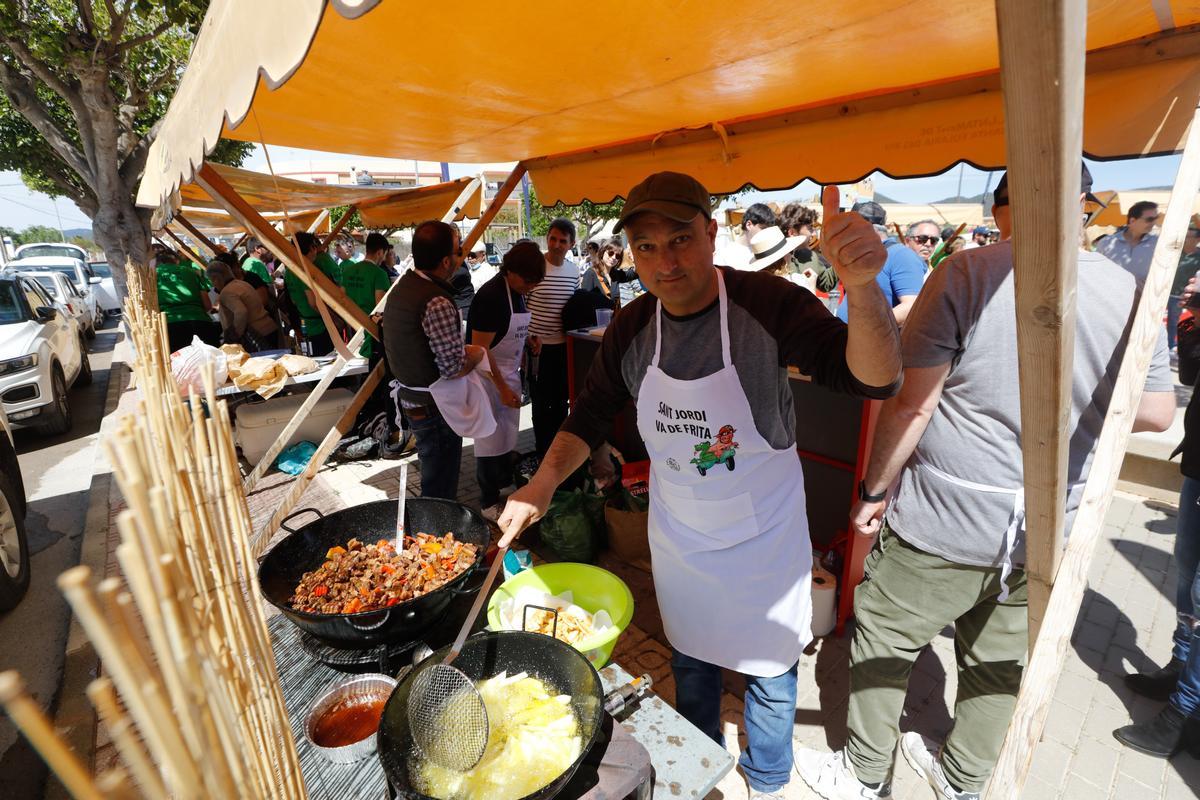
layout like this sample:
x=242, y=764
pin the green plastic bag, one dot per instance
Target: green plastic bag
x=574, y=525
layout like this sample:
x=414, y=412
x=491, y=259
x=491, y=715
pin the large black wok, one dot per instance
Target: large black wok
x=561, y=666
x=304, y=550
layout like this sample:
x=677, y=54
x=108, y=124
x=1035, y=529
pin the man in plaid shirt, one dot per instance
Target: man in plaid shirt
x=423, y=341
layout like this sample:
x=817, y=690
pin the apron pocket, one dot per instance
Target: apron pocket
x=698, y=525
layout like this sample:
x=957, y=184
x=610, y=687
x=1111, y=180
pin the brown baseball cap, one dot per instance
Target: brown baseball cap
x=674, y=195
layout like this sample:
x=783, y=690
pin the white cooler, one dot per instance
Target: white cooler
x=259, y=423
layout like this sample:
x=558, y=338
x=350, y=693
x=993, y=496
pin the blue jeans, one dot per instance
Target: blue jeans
x=770, y=712
x=439, y=453
x=1187, y=599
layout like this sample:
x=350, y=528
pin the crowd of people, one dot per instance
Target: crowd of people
x=696, y=344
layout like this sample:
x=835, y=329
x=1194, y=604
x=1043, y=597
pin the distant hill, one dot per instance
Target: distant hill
x=975, y=200
x=883, y=198
x=72, y=232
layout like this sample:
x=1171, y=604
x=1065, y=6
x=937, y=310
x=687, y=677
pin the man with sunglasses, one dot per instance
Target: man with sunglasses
x=922, y=238
x=902, y=274
x=1132, y=246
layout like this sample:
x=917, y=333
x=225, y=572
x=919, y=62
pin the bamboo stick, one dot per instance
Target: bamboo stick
x=27, y=716
x=124, y=736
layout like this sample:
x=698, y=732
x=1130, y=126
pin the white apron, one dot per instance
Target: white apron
x=463, y=402
x=507, y=355
x=728, y=526
x=1016, y=521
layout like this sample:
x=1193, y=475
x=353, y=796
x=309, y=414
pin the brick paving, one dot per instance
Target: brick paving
x=1125, y=624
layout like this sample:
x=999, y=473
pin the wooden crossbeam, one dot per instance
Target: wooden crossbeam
x=502, y=194
x=183, y=246
x=195, y=232
x=245, y=214
x=341, y=223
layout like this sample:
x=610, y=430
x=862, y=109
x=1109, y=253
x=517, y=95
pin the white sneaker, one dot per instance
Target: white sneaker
x=922, y=757
x=831, y=776
x=493, y=512
x=776, y=795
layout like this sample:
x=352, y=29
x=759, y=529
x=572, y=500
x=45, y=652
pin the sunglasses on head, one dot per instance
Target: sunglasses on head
x=923, y=239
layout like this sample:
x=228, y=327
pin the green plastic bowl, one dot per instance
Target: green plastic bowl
x=593, y=589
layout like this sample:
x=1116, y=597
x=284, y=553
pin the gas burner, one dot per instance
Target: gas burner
x=387, y=659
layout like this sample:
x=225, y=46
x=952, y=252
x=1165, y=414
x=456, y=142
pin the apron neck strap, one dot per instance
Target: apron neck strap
x=507, y=293
x=722, y=303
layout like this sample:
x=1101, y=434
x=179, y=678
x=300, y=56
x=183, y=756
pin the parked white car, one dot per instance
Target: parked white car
x=77, y=271
x=55, y=249
x=68, y=298
x=14, y=547
x=106, y=290
x=42, y=354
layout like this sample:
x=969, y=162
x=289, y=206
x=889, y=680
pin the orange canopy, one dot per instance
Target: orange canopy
x=837, y=91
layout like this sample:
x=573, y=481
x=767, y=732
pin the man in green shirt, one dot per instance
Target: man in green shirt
x=366, y=281
x=311, y=324
x=183, y=300
x=343, y=250
x=254, y=263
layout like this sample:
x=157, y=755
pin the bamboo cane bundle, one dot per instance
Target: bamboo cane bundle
x=192, y=696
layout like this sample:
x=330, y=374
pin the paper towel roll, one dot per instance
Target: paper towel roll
x=824, y=602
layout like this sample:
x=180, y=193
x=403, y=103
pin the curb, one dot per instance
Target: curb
x=75, y=719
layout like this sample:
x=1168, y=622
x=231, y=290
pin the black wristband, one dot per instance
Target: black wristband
x=870, y=498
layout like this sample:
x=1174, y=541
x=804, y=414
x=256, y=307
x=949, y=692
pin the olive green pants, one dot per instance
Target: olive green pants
x=907, y=598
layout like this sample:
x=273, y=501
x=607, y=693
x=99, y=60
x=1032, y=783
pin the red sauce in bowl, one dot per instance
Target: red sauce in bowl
x=347, y=723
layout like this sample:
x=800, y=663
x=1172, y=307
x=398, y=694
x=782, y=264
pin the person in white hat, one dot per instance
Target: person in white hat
x=771, y=253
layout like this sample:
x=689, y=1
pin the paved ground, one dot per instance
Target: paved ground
x=58, y=474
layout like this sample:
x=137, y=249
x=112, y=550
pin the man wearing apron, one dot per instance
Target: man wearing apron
x=951, y=551
x=705, y=357
x=499, y=321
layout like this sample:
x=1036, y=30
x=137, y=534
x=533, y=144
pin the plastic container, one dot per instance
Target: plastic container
x=258, y=424
x=593, y=589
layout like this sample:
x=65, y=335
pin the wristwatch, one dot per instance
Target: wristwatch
x=870, y=498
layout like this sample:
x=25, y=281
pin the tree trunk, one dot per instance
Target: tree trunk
x=123, y=231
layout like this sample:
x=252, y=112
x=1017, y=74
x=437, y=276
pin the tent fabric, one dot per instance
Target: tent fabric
x=271, y=196
x=215, y=223
x=906, y=87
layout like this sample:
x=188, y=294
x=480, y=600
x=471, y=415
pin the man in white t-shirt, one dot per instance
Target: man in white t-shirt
x=547, y=341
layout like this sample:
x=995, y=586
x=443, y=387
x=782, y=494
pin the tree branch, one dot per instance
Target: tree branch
x=149, y=36
x=23, y=96
x=116, y=29
x=131, y=168
x=44, y=73
x=85, y=14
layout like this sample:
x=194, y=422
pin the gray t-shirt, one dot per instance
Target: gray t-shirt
x=966, y=315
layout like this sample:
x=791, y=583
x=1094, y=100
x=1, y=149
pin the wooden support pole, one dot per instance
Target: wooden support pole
x=1049, y=652
x=327, y=445
x=341, y=223
x=316, y=223
x=189, y=252
x=334, y=370
x=219, y=189
x=195, y=232
x=511, y=182
x=1043, y=118
x=241, y=240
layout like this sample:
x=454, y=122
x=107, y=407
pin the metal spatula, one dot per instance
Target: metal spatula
x=446, y=714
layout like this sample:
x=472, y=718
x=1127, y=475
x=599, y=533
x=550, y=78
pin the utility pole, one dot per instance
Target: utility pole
x=61, y=232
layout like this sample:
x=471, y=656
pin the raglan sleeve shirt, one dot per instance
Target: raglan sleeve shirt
x=773, y=324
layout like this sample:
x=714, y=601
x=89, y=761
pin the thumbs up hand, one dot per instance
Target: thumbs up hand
x=849, y=242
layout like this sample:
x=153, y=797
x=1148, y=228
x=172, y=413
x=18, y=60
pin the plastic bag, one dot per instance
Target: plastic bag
x=187, y=365
x=573, y=525
x=294, y=459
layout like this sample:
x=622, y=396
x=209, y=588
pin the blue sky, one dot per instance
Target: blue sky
x=20, y=208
